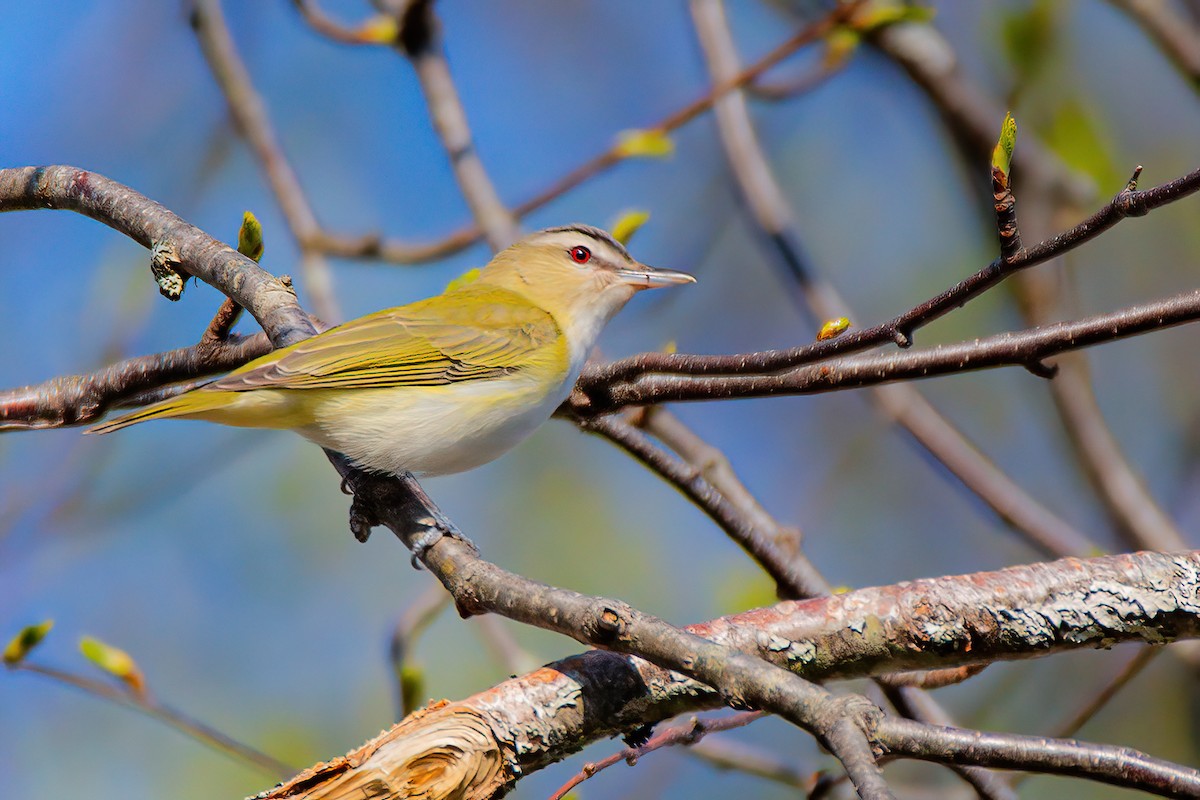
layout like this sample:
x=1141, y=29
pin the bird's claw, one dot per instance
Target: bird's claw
x=362, y=520
x=423, y=542
x=431, y=532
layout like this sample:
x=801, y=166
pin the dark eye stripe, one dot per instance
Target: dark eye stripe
x=596, y=233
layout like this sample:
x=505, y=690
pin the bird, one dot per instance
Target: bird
x=442, y=385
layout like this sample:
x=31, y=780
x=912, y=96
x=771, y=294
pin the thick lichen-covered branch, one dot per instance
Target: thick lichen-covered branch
x=528, y=722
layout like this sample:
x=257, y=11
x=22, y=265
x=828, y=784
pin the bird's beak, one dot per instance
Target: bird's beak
x=644, y=277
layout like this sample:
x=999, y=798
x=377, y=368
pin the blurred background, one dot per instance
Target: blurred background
x=221, y=560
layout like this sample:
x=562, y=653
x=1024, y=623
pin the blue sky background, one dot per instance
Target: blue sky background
x=221, y=560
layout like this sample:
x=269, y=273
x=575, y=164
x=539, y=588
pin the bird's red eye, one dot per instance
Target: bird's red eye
x=580, y=255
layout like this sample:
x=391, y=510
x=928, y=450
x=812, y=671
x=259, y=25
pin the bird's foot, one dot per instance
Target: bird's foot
x=362, y=518
x=430, y=532
x=638, y=736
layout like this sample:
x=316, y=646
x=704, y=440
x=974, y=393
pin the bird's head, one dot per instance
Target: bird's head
x=580, y=274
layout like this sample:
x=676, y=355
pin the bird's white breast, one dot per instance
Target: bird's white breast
x=436, y=430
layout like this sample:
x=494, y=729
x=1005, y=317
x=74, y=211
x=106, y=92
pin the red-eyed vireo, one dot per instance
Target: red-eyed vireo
x=445, y=384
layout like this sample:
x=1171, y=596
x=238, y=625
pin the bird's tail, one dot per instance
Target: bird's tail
x=192, y=405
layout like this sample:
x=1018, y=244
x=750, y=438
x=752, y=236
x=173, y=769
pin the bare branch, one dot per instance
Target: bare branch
x=902, y=404
x=1176, y=35
x=794, y=575
x=1117, y=766
x=146, y=222
x=537, y=719
x=250, y=115
x=420, y=40
x=80, y=399
x=156, y=710
x=688, y=734
x=596, y=395
x=1127, y=203
x=1050, y=189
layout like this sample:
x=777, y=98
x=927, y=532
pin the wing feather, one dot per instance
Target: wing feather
x=472, y=333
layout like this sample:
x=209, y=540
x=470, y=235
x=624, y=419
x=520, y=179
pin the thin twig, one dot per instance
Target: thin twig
x=1095, y=704
x=793, y=574
x=688, y=734
x=1110, y=764
x=250, y=115
x=418, y=616
x=1176, y=35
x=81, y=399
x=271, y=303
x=1049, y=189
x=901, y=404
x=596, y=395
x=174, y=719
x=420, y=40
x=1127, y=203
x=374, y=246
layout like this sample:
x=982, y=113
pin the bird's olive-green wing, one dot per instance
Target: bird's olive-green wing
x=472, y=333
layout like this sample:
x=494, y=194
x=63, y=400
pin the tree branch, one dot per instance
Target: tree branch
x=1176, y=35
x=904, y=405
x=794, y=575
x=148, y=223
x=81, y=399
x=596, y=394
x=1116, y=766
x=971, y=117
x=478, y=587
x=374, y=246
x=529, y=722
x=899, y=330
x=249, y=114
x=420, y=40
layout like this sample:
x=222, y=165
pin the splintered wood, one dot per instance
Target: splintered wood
x=443, y=752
